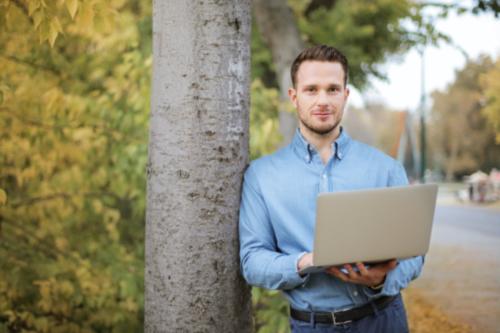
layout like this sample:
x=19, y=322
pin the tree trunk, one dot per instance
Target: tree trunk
x=279, y=30
x=198, y=151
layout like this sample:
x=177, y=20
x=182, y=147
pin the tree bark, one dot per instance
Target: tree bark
x=279, y=30
x=198, y=151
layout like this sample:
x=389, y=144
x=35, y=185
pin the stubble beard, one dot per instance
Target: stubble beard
x=320, y=131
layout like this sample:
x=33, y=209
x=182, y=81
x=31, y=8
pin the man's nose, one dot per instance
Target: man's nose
x=322, y=98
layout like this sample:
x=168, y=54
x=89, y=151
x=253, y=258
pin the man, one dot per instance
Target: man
x=277, y=212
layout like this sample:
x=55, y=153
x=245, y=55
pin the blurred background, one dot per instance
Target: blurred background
x=74, y=105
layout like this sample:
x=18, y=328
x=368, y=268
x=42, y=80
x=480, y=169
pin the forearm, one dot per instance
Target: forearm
x=271, y=270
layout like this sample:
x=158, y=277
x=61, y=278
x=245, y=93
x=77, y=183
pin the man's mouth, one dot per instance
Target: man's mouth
x=321, y=114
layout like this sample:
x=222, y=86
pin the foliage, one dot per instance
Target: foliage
x=462, y=141
x=264, y=132
x=492, y=6
x=262, y=65
x=490, y=82
x=74, y=102
x=367, y=31
x=350, y=27
x=271, y=311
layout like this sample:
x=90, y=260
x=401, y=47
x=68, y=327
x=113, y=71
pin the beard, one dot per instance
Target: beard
x=320, y=130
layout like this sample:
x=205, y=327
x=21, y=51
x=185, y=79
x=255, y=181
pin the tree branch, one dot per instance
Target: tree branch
x=95, y=127
x=56, y=72
x=66, y=196
x=45, y=248
x=32, y=64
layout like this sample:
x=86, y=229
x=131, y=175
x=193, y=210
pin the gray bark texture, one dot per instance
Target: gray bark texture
x=278, y=27
x=198, y=151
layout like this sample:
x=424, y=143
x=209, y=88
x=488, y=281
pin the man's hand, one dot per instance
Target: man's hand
x=305, y=261
x=369, y=277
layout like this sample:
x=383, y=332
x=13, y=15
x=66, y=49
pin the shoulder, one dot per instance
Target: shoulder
x=271, y=161
x=364, y=150
x=375, y=159
x=269, y=166
x=367, y=152
x=379, y=163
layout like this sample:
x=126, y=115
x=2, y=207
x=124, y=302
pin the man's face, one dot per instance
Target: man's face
x=319, y=96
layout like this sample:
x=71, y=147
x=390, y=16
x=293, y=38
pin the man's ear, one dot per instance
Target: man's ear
x=292, y=94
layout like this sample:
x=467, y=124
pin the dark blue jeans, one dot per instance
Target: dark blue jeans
x=392, y=319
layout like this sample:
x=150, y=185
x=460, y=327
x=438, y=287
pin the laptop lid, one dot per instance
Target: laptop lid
x=374, y=224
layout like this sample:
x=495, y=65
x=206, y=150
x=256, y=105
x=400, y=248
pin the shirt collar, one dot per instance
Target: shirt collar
x=305, y=150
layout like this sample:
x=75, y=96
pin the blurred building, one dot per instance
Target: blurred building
x=482, y=187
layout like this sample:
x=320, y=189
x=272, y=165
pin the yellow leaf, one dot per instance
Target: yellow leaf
x=44, y=31
x=42, y=324
x=66, y=288
x=72, y=6
x=86, y=15
x=97, y=205
x=52, y=35
x=61, y=243
x=50, y=98
x=82, y=134
x=37, y=19
x=111, y=216
x=56, y=24
x=3, y=197
x=33, y=5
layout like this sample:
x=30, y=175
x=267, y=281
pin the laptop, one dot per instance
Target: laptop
x=372, y=225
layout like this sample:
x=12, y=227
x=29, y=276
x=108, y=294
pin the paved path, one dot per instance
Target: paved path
x=462, y=270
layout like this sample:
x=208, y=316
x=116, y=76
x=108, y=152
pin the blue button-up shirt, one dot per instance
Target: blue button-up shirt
x=278, y=212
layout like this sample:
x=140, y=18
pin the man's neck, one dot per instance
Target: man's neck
x=322, y=142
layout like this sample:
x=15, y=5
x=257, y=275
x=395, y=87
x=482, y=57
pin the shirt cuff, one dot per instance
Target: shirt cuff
x=293, y=278
x=385, y=290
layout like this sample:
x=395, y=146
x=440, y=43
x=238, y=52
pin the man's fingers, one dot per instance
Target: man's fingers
x=363, y=275
x=350, y=272
x=337, y=273
x=362, y=268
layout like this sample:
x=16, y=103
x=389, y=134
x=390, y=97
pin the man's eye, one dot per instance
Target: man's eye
x=333, y=89
x=311, y=89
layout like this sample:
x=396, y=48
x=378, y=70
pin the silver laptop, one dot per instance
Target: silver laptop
x=372, y=225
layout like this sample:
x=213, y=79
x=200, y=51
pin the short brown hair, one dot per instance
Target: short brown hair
x=320, y=53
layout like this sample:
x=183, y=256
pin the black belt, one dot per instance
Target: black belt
x=343, y=317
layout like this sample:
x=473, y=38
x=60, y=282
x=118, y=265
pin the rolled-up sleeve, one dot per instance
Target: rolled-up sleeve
x=261, y=263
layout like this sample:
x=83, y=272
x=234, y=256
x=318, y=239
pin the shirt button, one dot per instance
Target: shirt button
x=355, y=293
x=324, y=175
